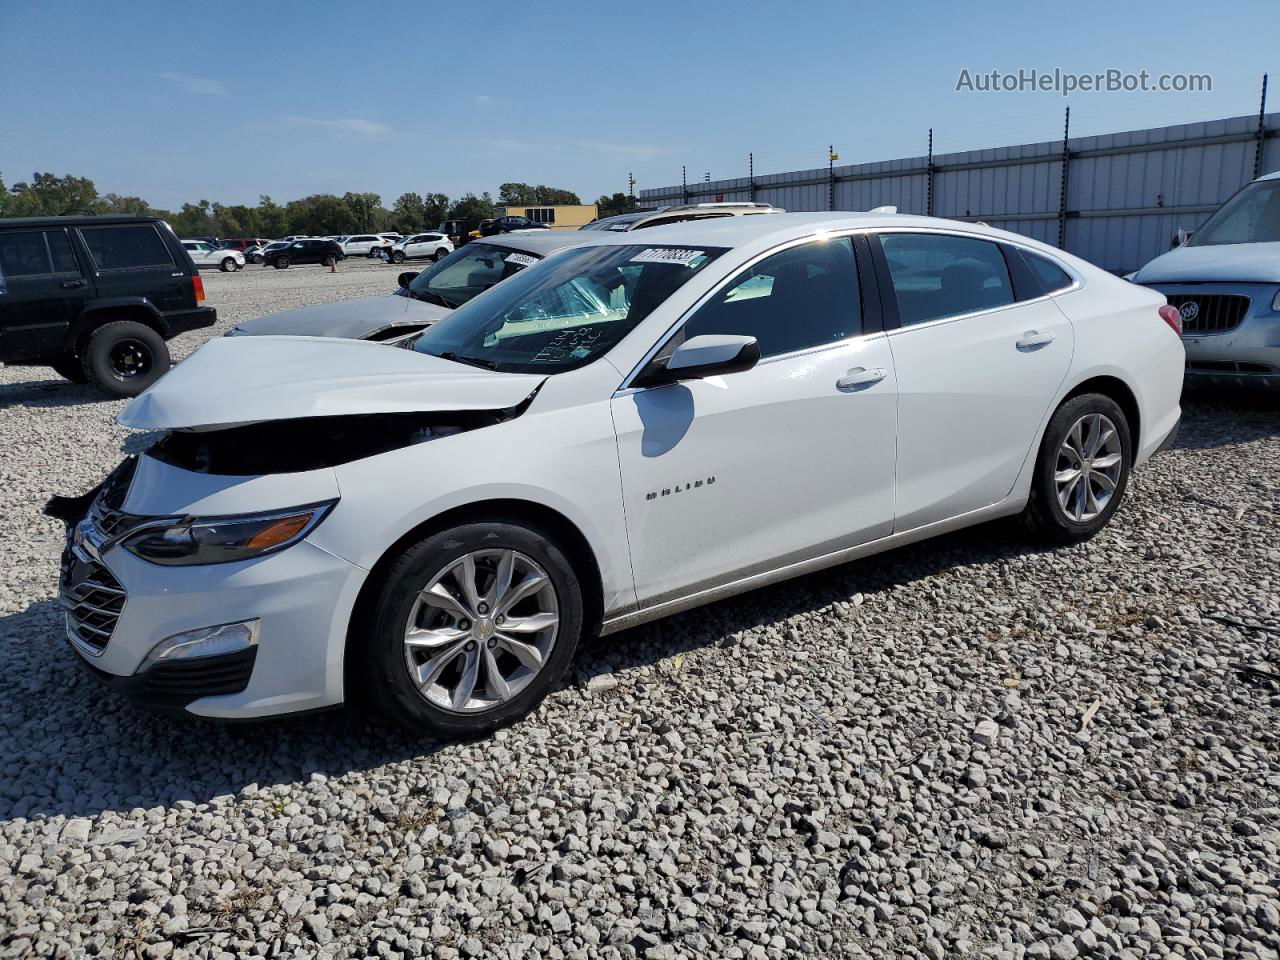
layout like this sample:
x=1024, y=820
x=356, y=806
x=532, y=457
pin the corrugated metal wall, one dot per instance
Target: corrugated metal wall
x=1127, y=193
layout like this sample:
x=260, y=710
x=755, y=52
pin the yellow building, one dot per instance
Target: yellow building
x=557, y=216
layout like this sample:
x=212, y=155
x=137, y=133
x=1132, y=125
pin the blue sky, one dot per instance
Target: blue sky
x=177, y=102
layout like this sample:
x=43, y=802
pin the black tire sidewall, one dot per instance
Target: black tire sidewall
x=387, y=680
x=280, y=263
x=69, y=367
x=97, y=357
x=329, y=261
x=1049, y=515
x=227, y=265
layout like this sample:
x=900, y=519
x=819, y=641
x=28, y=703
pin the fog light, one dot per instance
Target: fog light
x=205, y=642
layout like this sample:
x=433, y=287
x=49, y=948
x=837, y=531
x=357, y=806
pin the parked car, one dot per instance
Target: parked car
x=244, y=244
x=206, y=255
x=362, y=244
x=422, y=298
x=254, y=254
x=678, y=213
x=429, y=246
x=489, y=228
x=324, y=252
x=96, y=298
x=1225, y=283
x=611, y=436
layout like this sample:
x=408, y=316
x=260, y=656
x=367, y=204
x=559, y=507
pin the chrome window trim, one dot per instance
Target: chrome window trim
x=628, y=381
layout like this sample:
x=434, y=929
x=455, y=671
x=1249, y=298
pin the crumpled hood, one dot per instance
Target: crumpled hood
x=1222, y=263
x=355, y=319
x=236, y=380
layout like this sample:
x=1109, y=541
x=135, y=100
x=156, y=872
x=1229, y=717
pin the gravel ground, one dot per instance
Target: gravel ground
x=962, y=747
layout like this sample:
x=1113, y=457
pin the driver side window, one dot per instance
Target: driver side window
x=807, y=296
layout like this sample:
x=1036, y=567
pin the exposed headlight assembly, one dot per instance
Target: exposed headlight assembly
x=1275, y=304
x=187, y=541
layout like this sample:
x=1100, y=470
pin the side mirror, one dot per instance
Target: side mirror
x=406, y=278
x=711, y=355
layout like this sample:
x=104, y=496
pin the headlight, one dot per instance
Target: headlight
x=1275, y=304
x=195, y=540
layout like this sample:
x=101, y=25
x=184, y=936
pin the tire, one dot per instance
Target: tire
x=125, y=357
x=440, y=255
x=281, y=263
x=398, y=257
x=440, y=558
x=329, y=260
x=1064, y=510
x=69, y=367
x=228, y=265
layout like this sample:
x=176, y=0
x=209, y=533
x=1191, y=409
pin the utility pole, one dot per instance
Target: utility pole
x=631, y=187
x=1262, y=131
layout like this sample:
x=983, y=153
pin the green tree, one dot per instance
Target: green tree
x=48, y=195
x=367, y=210
x=321, y=214
x=115, y=203
x=272, y=220
x=514, y=194
x=472, y=208
x=408, y=213
x=4, y=197
x=616, y=204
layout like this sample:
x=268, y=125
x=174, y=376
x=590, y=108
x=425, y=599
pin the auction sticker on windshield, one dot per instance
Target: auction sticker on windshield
x=521, y=259
x=681, y=258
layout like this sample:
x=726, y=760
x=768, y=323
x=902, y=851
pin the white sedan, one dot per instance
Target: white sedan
x=422, y=246
x=627, y=429
x=207, y=255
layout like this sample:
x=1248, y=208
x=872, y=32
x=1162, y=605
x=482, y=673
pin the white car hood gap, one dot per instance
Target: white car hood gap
x=240, y=380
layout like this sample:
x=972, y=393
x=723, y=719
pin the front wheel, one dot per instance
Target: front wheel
x=281, y=263
x=125, y=357
x=472, y=628
x=228, y=265
x=1082, y=470
x=397, y=257
x=440, y=254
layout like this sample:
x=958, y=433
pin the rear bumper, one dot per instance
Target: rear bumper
x=183, y=321
x=1171, y=438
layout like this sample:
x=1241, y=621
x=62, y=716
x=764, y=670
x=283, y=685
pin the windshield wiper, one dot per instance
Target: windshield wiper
x=470, y=361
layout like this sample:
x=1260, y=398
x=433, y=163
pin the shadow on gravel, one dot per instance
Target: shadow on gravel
x=73, y=748
x=1227, y=418
x=49, y=393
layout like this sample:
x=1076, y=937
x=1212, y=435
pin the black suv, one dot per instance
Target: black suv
x=327, y=252
x=96, y=298
x=490, y=228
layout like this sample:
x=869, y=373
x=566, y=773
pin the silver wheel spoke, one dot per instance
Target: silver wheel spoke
x=1105, y=482
x=440, y=596
x=532, y=583
x=434, y=639
x=465, y=574
x=494, y=679
x=1106, y=462
x=531, y=624
x=1066, y=476
x=467, y=681
x=501, y=580
x=1089, y=466
x=429, y=672
x=528, y=655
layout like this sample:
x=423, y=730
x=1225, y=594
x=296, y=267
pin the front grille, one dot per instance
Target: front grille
x=1228, y=366
x=1209, y=312
x=105, y=511
x=93, y=599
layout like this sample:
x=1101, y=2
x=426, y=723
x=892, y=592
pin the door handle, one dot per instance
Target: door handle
x=72, y=284
x=861, y=377
x=1034, y=338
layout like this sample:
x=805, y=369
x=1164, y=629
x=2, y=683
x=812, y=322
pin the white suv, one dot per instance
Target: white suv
x=363, y=244
x=207, y=255
x=634, y=426
x=428, y=246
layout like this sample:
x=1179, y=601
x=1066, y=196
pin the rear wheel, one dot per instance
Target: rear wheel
x=227, y=265
x=472, y=628
x=281, y=263
x=69, y=367
x=398, y=256
x=125, y=357
x=440, y=254
x=1082, y=470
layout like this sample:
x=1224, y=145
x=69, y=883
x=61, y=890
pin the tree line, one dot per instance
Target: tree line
x=321, y=214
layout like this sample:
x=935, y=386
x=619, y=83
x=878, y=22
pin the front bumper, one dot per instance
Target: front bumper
x=1244, y=356
x=302, y=598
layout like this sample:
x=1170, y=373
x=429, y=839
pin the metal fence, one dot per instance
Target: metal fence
x=1116, y=199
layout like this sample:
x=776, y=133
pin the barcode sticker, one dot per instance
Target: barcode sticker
x=521, y=259
x=681, y=258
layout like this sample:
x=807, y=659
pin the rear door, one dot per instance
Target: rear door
x=979, y=357
x=132, y=260
x=42, y=290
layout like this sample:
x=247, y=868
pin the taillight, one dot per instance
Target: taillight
x=1170, y=315
x=197, y=284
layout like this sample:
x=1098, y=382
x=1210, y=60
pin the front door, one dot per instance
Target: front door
x=977, y=365
x=731, y=476
x=42, y=290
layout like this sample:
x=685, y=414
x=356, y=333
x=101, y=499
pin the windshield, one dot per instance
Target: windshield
x=1251, y=216
x=467, y=272
x=566, y=312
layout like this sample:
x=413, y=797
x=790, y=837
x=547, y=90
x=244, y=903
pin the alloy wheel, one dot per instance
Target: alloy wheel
x=481, y=630
x=1088, y=469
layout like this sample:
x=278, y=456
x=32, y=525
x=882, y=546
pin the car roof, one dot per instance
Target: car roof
x=1274, y=175
x=77, y=221
x=541, y=242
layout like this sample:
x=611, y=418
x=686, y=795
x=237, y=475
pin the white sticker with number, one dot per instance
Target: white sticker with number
x=681, y=258
x=521, y=259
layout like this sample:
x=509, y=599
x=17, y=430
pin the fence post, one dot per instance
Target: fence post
x=928, y=201
x=831, y=177
x=1066, y=165
x=1262, y=131
x=751, y=177
x=684, y=185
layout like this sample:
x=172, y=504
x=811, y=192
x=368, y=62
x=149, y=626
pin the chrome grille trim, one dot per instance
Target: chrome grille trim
x=93, y=606
x=1214, y=312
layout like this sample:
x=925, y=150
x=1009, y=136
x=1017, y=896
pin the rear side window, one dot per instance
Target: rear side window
x=34, y=253
x=1052, y=277
x=803, y=297
x=938, y=275
x=127, y=247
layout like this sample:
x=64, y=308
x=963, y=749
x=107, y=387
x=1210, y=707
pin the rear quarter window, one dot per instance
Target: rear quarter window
x=1052, y=277
x=135, y=246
